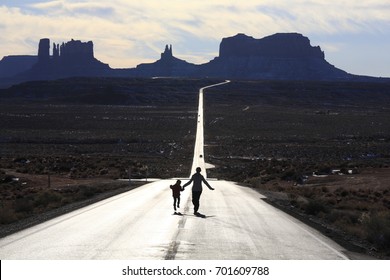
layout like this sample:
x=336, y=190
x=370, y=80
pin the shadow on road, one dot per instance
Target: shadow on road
x=199, y=215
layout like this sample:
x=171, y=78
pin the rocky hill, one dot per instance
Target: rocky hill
x=166, y=66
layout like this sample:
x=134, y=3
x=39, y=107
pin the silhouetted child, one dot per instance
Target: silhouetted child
x=176, y=189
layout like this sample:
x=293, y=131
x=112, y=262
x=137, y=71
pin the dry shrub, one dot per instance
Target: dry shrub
x=308, y=192
x=334, y=215
x=354, y=204
x=343, y=217
x=331, y=200
x=314, y=207
x=377, y=227
x=46, y=198
x=353, y=229
x=293, y=198
x=85, y=192
x=342, y=192
x=7, y=215
x=24, y=205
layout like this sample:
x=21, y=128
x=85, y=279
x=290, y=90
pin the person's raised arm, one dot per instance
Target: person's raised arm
x=207, y=184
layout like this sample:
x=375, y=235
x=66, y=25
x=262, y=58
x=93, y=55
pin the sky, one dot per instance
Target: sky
x=355, y=35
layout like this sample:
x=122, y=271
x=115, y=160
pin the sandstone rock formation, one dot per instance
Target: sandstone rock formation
x=44, y=50
x=73, y=58
x=280, y=56
x=166, y=66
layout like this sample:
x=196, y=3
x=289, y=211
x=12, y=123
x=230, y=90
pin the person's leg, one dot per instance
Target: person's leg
x=174, y=203
x=178, y=202
x=195, y=200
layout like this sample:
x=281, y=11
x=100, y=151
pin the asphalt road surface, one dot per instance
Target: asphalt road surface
x=140, y=224
x=198, y=160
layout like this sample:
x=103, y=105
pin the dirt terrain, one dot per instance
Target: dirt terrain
x=320, y=151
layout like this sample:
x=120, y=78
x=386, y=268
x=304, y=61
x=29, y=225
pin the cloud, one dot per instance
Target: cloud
x=64, y=8
x=126, y=33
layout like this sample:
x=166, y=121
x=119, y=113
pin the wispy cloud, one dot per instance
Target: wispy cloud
x=67, y=8
x=126, y=33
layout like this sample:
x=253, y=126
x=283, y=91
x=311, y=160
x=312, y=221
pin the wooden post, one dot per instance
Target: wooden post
x=48, y=180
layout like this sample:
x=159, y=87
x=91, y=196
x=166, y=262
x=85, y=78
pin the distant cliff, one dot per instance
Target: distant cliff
x=286, y=56
x=74, y=58
x=280, y=45
x=14, y=64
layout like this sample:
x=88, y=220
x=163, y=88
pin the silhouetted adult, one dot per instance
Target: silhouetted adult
x=197, y=179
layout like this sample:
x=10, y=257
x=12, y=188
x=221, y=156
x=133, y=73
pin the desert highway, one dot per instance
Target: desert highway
x=139, y=224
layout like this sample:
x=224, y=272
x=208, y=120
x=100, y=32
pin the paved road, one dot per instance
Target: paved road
x=140, y=224
x=199, y=142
